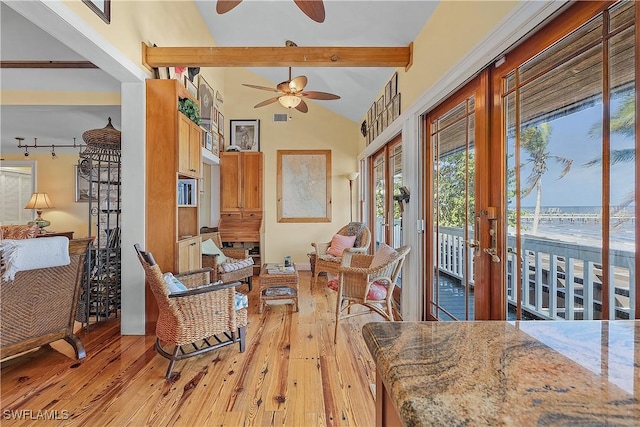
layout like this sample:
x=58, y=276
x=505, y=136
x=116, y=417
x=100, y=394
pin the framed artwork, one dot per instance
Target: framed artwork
x=220, y=123
x=215, y=147
x=205, y=98
x=245, y=135
x=208, y=141
x=394, y=84
x=214, y=119
x=85, y=178
x=380, y=105
x=387, y=92
x=193, y=90
x=304, y=186
x=395, y=106
x=101, y=7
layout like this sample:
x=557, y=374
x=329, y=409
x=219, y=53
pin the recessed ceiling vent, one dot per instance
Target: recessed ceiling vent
x=280, y=117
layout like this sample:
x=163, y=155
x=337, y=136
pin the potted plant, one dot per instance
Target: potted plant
x=189, y=108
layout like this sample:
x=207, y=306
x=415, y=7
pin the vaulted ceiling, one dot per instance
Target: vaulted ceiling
x=251, y=23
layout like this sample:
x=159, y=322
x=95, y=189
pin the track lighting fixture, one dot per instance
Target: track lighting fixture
x=54, y=155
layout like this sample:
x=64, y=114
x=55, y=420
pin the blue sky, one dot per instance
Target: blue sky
x=582, y=186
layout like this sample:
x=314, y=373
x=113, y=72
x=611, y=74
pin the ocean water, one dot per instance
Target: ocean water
x=555, y=225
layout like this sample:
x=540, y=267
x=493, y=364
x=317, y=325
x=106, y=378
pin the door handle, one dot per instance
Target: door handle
x=475, y=244
x=493, y=233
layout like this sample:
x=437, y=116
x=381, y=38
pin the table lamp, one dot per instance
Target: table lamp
x=39, y=201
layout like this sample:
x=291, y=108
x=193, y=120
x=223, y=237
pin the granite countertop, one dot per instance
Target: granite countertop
x=510, y=373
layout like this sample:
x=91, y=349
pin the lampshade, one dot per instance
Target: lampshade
x=39, y=201
x=353, y=176
x=289, y=101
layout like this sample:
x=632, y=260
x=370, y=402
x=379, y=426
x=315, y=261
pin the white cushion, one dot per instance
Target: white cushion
x=210, y=248
x=173, y=284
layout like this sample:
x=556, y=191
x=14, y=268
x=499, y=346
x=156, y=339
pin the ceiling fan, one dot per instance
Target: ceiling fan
x=290, y=94
x=314, y=9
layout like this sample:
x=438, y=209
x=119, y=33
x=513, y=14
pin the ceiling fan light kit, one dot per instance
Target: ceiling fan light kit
x=289, y=101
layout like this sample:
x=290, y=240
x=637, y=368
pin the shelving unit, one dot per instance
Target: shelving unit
x=101, y=289
x=173, y=159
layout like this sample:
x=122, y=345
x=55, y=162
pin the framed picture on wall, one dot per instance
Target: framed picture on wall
x=245, y=135
x=205, y=98
x=220, y=123
x=83, y=185
x=102, y=8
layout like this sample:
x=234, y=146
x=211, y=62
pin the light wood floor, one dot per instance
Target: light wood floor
x=291, y=374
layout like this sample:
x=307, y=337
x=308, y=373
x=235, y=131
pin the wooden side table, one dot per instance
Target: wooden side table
x=278, y=286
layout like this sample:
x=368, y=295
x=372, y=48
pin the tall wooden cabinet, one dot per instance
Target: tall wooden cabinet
x=173, y=163
x=241, y=209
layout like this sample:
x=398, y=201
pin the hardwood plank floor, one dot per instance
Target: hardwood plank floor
x=291, y=374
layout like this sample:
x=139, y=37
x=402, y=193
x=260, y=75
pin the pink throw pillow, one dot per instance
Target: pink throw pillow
x=383, y=255
x=378, y=290
x=339, y=243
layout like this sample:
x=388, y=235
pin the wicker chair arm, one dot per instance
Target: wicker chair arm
x=213, y=309
x=211, y=287
x=236, y=253
x=195, y=278
x=321, y=248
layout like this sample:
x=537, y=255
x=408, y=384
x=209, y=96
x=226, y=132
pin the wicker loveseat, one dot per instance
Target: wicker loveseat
x=38, y=307
x=237, y=267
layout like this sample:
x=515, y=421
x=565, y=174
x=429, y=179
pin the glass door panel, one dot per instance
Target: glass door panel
x=379, y=188
x=570, y=229
x=453, y=200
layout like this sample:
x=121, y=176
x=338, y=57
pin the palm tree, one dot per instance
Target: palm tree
x=622, y=122
x=534, y=140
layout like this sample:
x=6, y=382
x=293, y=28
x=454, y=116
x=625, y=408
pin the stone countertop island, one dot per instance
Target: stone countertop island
x=523, y=373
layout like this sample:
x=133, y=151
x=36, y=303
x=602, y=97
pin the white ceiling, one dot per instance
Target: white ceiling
x=252, y=23
x=347, y=23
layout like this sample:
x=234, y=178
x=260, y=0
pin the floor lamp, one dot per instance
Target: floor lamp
x=351, y=177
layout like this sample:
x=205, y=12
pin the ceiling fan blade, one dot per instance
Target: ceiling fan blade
x=302, y=107
x=319, y=95
x=314, y=9
x=270, y=89
x=266, y=102
x=224, y=6
x=297, y=84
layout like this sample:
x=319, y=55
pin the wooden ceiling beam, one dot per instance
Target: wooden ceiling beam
x=154, y=57
x=46, y=64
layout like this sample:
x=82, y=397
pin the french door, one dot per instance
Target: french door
x=388, y=202
x=532, y=178
x=386, y=167
x=457, y=182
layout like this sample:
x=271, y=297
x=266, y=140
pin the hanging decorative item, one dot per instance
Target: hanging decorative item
x=102, y=145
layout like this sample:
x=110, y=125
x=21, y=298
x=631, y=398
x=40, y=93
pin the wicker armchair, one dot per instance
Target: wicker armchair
x=195, y=321
x=331, y=264
x=218, y=272
x=38, y=307
x=360, y=283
